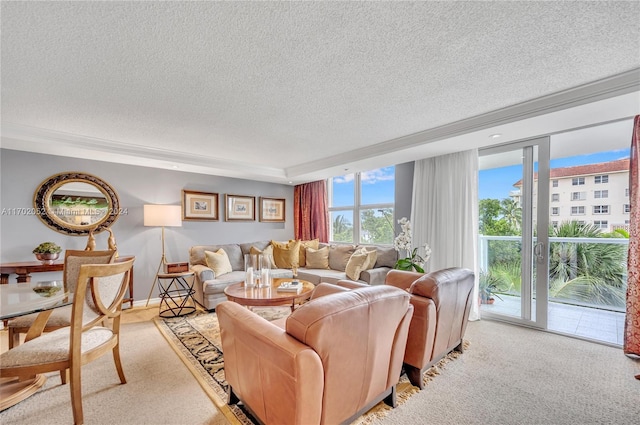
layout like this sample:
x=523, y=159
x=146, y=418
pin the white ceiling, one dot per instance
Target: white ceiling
x=296, y=91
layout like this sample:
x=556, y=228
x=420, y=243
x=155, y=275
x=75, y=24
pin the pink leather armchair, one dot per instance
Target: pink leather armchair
x=442, y=302
x=339, y=355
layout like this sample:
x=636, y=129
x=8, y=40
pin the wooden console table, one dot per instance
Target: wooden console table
x=24, y=270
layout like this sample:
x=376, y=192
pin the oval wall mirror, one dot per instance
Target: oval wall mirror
x=76, y=203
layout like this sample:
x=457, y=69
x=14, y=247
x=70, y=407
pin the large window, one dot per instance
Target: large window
x=361, y=207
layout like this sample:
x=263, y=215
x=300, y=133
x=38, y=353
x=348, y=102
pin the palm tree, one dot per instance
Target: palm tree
x=340, y=224
x=342, y=229
x=588, y=272
x=512, y=213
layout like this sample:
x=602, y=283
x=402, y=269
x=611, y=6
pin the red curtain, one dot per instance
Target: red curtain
x=632, y=319
x=310, y=211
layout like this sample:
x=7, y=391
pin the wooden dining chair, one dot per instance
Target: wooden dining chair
x=60, y=317
x=94, y=330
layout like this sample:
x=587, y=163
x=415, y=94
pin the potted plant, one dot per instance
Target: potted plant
x=413, y=261
x=488, y=285
x=47, y=252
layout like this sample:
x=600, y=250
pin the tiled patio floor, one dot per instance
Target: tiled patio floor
x=584, y=322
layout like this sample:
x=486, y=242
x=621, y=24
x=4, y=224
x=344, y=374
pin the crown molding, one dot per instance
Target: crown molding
x=21, y=137
x=616, y=85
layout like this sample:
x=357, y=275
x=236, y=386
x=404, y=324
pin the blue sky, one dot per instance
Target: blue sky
x=378, y=186
x=498, y=182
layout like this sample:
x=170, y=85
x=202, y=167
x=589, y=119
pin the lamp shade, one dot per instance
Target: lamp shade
x=163, y=215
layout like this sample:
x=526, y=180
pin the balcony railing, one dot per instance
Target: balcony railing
x=589, y=272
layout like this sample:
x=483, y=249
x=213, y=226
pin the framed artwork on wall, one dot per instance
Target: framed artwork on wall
x=240, y=208
x=199, y=205
x=272, y=210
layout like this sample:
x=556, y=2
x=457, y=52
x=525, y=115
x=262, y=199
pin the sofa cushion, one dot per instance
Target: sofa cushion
x=218, y=262
x=236, y=258
x=246, y=247
x=387, y=256
x=339, y=256
x=316, y=276
x=286, y=254
x=217, y=285
x=317, y=258
x=302, y=261
x=357, y=263
x=267, y=252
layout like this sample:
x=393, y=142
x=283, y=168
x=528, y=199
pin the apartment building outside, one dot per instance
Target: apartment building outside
x=590, y=194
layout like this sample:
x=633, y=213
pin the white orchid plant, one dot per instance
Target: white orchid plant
x=413, y=261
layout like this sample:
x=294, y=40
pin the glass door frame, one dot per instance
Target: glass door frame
x=535, y=238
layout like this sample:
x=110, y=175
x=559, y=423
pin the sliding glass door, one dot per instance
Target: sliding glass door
x=554, y=221
x=514, y=219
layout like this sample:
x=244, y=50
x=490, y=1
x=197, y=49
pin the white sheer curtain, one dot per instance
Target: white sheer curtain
x=445, y=212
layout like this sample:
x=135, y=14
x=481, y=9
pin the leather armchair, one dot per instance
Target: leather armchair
x=339, y=355
x=442, y=302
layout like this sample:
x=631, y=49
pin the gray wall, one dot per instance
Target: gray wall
x=22, y=173
x=404, y=192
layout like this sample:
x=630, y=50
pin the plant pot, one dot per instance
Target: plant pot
x=47, y=258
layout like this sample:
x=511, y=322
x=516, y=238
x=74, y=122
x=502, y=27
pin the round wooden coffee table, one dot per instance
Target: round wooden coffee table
x=268, y=297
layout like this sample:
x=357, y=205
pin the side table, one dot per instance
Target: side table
x=176, y=294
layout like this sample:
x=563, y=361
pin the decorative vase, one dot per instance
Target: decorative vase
x=47, y=257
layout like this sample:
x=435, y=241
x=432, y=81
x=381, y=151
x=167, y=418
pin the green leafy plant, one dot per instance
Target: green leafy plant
x=489, y=283
x=47, y=248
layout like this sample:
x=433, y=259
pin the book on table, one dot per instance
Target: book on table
x=290, y=286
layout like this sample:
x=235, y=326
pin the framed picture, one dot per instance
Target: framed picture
x=240, y=208
x=272, y=209
x=199, y=205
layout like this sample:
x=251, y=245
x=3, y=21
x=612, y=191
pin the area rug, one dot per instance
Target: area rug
x=196, y=340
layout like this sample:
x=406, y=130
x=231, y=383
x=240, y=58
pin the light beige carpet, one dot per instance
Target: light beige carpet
x=159, y=389
x=196, y=339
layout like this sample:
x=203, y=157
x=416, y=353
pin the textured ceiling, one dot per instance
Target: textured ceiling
x=276, y=87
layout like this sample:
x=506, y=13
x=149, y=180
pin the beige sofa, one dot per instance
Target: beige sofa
x=338, y=258
x=209, y=288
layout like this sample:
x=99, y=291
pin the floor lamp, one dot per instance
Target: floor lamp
x=162, y=216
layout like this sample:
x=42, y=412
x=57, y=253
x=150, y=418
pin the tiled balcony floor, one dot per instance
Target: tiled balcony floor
x=584, y=322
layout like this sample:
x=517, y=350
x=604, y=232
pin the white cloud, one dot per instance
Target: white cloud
x=381, y=174
x=348, y=178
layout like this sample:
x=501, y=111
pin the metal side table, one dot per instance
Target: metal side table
x=176, y=294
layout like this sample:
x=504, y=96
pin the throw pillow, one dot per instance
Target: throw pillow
x=356, y=264
x=372, y=256
x=286, y=254
x=339, y=256
x=267, y=252
x=314, y=243
x=218, y=262
x=317, y=258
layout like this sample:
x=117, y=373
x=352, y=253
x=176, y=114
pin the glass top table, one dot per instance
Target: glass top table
x=18, y=299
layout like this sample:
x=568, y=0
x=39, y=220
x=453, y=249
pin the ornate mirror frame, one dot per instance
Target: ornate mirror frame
x=83, y=216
